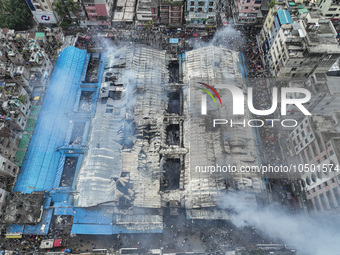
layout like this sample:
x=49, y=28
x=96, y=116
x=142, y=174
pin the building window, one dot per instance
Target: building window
x=314, y=149
x=330, y=199
x=201, y=3
x=211, y=9
x=192, y=9
x=325, y=183
x=192, y=3
x=332, y=9
x=200, y=9
x=211, y=3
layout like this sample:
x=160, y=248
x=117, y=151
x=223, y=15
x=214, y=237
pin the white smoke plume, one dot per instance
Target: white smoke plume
x=309, y=235
x=227, y=37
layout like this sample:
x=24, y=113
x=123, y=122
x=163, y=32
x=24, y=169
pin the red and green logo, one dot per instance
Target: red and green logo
x=204, y=96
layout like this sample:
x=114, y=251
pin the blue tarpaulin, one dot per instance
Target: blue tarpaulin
x=173, y=40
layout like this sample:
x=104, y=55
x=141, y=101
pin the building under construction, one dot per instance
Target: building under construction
x=120, y=136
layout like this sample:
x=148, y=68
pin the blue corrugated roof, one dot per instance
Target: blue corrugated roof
x=38, y=229
x=12, y=229
x=40, y=165
x=91, y=228
x=92, y=216
x=63, y=211
x=284, y=17
x=107, y=229
x=58, y=197
x=41, y=228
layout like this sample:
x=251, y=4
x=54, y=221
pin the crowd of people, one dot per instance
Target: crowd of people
x=258, y=79
x=26, y=244
x=157, y=37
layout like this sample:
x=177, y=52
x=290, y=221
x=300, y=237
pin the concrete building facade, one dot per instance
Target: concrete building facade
x=7, y=168
x=171, y=13
x=124, y=12
x=325, y=95
x=99, y=11
x=315, y=141
x=43, y=11
x=201, y=14
x=271, y=26
x=247, y=12
x=304, y=47
x=147, y=10
x=330, y=9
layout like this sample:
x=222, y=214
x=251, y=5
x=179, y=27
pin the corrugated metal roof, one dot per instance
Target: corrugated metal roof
x=284, y=17
x=42, y=158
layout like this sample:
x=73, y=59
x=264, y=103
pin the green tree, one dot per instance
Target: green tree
x=272, y=4
x=73, y=7
x=61, y=9
x=20, y=16
x=22, y=98
x=5, y=6
x=148, y=24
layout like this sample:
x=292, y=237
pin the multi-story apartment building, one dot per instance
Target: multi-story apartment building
x=276, y=18
x=247, y=11
x=3, y=194
x=171, y=13
x=147, y=10
x=306, y=46
x=99, y=11
x=24, y=68
x=201, y=13
x=42, y=11
x=315, y=141
x=7, y=168
x=330, y=9
x=325, y=95
x=124, y=12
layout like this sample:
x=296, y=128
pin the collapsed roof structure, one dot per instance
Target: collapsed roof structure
x=209, y=146
x=130, y=142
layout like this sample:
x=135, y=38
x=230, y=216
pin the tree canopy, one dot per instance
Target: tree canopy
x=5, y=6
x=15, y=15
